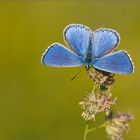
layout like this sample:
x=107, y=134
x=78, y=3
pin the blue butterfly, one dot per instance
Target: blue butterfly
x=92, y=49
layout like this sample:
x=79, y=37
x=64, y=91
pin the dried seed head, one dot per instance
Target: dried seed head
x=118, y=125
x=101, y=78
x=94, y=103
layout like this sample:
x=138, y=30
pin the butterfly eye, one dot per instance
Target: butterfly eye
x=87, y=67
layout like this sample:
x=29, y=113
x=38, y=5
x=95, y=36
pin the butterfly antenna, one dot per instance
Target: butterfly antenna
x=75, y=75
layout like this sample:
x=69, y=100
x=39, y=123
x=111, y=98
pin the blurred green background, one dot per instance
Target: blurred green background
x=38, y=102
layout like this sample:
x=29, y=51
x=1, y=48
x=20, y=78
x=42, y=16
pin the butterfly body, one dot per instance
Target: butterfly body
x=89, y=57
x=92, y=49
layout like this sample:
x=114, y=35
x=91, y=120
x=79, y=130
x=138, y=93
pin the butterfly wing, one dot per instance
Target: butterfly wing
x=59, y=56
x=77, y=37
x=117, y=62
x=105, y=40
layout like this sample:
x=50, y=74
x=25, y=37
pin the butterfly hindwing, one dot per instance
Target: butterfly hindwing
x=77, y=37
x=59, y=56
x=117, y=62
x=105, y=40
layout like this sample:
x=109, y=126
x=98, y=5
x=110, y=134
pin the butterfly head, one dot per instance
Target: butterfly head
x=87, y=67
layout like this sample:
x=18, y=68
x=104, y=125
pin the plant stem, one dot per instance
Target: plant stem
x=100, y=126
x=86, y=131
x=93, y=129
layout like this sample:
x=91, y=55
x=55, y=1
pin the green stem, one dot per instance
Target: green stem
x=100, y=126
x=93, y=129
x=86, y=131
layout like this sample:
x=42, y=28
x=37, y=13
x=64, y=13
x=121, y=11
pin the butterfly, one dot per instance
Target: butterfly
x=91, y=49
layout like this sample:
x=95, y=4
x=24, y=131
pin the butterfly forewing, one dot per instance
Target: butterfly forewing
x=105, y=40
x=77, y=37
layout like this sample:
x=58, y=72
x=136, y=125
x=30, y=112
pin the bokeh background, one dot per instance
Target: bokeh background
x=38, y=102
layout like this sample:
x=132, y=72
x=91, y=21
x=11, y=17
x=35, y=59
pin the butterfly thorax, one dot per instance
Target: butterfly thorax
x=88, y=56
